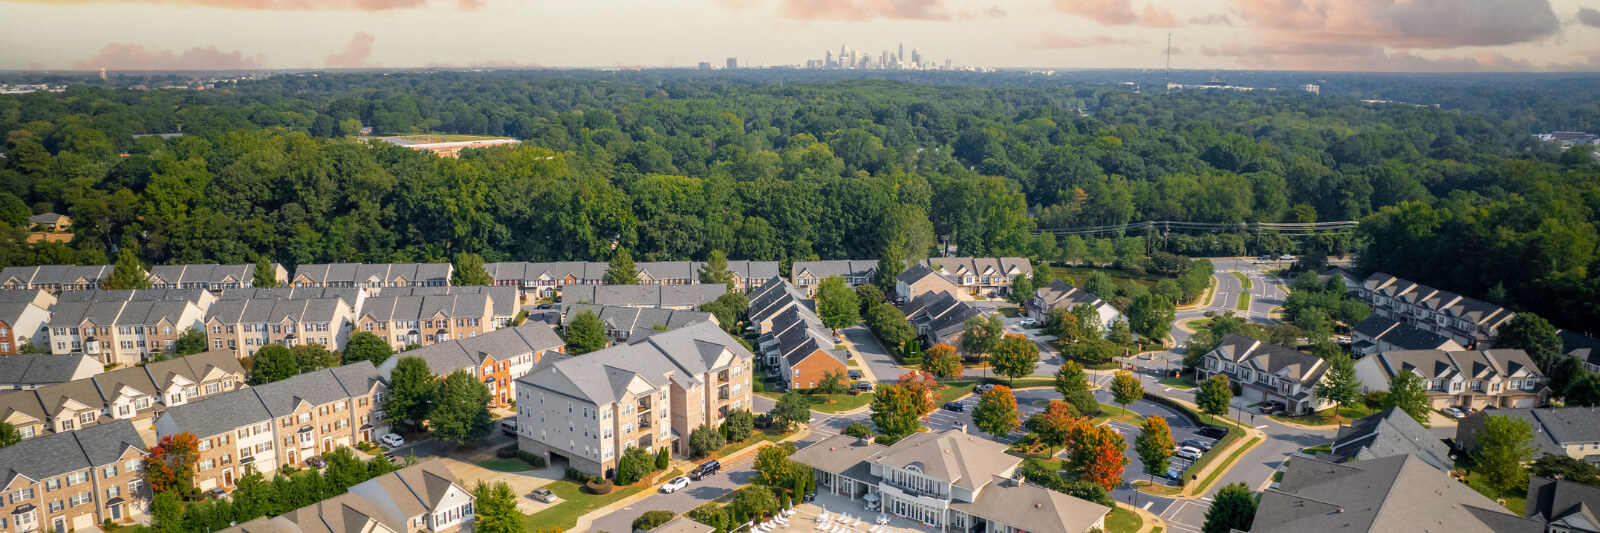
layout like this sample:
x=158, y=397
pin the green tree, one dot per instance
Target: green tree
x=663, y=459
x=1100, y=285
x=890, y=265
x=1530, y=333
x=1233, y=509
x=1088, y=321
x=889, y=324
x=792, y=408
x=1054, y=426
x=715, y=270
x=272, y=362
x=980, y=335
x=266, y=277
x=192, y=341
x=653, y=519
x=1016, y=356
x=1155, y=445
x=739, y=426
x=942, y=361
x=1559, y=466
x=411, y=388
x=1120, y=334
x=166, y=513
x=621, y=270
x=127, y=273
x=494, y=509
x=754, y=501
x=1407, y=393
x=773, y=467
x=1073, y=384
x=832, y=382
x=997, y=412
x=858, y=430
x=1214, y=395
x=312, y=357
x=1151, y=316
x=837, y=304
x=704, y=440
x=1021, y=289
x=8, y=434
x=635, y=464
x=895, y=411
x=1504, y=444
x=365, y=346
x=469, y=271
x=1126, y=388
x=13, y=212
x=1583, y=391
x=460, y=412
x=1340, y=384
x=585, y=334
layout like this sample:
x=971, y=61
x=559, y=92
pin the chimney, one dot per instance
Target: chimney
x=863, y=441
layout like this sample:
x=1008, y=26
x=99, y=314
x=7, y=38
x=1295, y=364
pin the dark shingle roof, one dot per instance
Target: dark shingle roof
x=1389, y=433
x=53, y=455
x=1399, y=493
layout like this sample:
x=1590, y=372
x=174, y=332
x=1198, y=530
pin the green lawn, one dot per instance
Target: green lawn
x=1177, y=383
x=1243, y=280
x=1114, y=411
x=1157, y=489
x=1516, y=499
x=506, y=465
x=1198, y=324
x=1244, y=302
x=833, y=403
x=1123, y=521
x=1010, y=312
x=1325, y=416
x=756, y=438
x=575, y=503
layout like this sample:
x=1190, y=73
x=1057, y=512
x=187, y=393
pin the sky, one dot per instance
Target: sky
x=1346, y=35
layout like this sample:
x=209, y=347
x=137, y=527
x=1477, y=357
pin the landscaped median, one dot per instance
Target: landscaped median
x=1202, y=473
x=1244, y=281
x=1244, y=302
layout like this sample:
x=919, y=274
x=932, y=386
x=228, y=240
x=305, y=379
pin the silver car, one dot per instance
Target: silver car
x=1188, y=452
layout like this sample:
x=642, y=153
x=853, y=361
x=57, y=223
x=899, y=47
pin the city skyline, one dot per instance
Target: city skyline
x=1354, y=35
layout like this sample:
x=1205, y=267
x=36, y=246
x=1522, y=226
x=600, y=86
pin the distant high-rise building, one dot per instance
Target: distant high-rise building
x=1312, y=88
x=947, y=64
x=733, y=62
x=900, y=56
x=916, y=58
x=827, y=60
x=705, y=65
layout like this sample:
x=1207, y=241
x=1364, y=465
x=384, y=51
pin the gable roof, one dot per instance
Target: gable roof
x=939, y=313
x=1388, y=433
x=630, y=319
x=38, y=369
x=966, y=461
x=1399, y=493
x=605, y=376
x=53, y=455
x=501, y=344
x=1466, y=364
x=1062, y=294
x=845, y=268
x=1563, y=503
x=644, y=295
x=1270, y=358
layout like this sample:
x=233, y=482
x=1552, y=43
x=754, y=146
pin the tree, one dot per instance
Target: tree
x=1559, y=466
x=890, y=265
x=127, y=273
x=895, y=411
x=773, y=467
x=192, y=341
x=715, y=270
x=837, y=304
x=832, y=382
x=1530, y=333
x=1073, y=384
x=1233, y=509
x=8, y=434
x=704, y=440
x=1100, y=285
x=792, y=408
x=585, y=334
x=166, y=513
x=313, y=357
x=494, y=509
x=1504, y=444
x=1097, y=455
x=271, y=363
x=1054, y=425
x=621, y=270
x=653, y=519
x=1340, y=384
x=997, y=413
x=1016, y=356
x=1214, y=395
x=889, y=324
x=753, y=501
x=869, y=296
x=1126, y=388
x=13, y=211
x=1562, y=374
x=942, y=361
x=411, y=389
x=1407, y=393
x=469, y=271
x=858, y=430
x=365, y=346
x=1155, y=445
x=1021, y=289
x=1151, y=316
x=460, y=412
x=634, y=465
x=663, y=460
x=739, y=426
x=1584, y=391
x=1088, y=321
x=981, y=335
x=266, y=276
x=1120, y=334
x=169, y=466
x=922, y=386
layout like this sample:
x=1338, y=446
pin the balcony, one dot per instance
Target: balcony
x=722, y=393
x=645, y=422
x=722, y=377
x=644, y=404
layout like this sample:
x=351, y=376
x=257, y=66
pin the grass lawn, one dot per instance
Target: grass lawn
x=852, y=362
x=1116, y=412
x=833, y=403
x=1318, y=448
x=1325, y=417
x=757, y=437
x=575, y=503
x=1244, y=302
x=954, y=389
x=1156, y=489
x=506, y=465
x=1516, y=500
x=1243, y=280
x=1123, y=521
x=1211, y=286
x=1198, y=324
x=1010, y=312
x=1177, y=383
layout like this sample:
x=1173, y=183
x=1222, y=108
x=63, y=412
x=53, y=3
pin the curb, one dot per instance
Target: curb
x=1149, y=520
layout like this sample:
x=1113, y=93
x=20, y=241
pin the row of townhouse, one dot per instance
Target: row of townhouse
x=808, y=275
x=651, y=393
x=1266, y=372
x=57, y=278
x=497, y=358
x=1380, y=334
x=793, y=342
x=1474, y=378
x=31, y=371
x=504, y=300
x=623, y=324
x=124, y=331
x=660, y=296
x=1062, y=295
x=73, y=481
x=981, y=276
x=1468, y=322
x=939, y=317
x=132, y=393
x=425, y=497
x=54, y=278
x=372, y=276
x=244, y=326
x=423, y=320
x=541, y=280
x=24, y=319
x=280, y=423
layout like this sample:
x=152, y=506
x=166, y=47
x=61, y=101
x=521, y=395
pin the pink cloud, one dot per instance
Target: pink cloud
x=354, y=54
x=860, y=10
x=1118, y=13
x=1402, y=23
x=1052, y=40
x=282, y=5
x=128, y=56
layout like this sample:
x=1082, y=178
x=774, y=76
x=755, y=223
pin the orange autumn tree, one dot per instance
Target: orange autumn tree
x=1097, y=455
x=997, y=412
x=942, y=361
x=170, y=464
x=921, y=385
x=1056, y=425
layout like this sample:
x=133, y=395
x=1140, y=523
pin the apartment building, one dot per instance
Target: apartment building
x=948, y=481
x=24, y=319
x=280, y=423
x=984, y=276
x=541, y=280
x=121, y=332
x=651, y=393
x=504, y=298
x=373, y=276
x=132, y=393
x=199, y=297
x=808, y=275
x=244, y=326
x=54, y=278
x=659, y=296
x=1396, y=493
x=1470, y=323
x=939, y=317
x=210, y=277
x=73, y=481
x=1473, y=378
x=425, y=497
x=31, y=371
x=1267, y=372
x=424, y=320
x=497, y=358
x=921, y=279
x=625, y=323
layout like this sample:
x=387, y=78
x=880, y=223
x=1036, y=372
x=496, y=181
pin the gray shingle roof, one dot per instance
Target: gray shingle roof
x=1271, y=358
x=603, y=376
x=629, y=319
x=1553, y=427
x=505, y=343
x=841, y=267
x=1400, y=493
x=644, y=295
x=504, y=298
x=1388, y=433
x=1563, y=503
x=39, y=369
x=218, y=414
x=47, y=456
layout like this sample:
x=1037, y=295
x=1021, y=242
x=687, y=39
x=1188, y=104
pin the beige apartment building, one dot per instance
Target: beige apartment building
x=122, y=331
x=425, y=320
x=134, y=393
x=73, y=481
x=244, y=326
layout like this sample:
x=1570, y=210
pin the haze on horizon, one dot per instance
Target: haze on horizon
x=1352, y=35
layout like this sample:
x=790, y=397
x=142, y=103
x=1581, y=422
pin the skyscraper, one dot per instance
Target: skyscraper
x=916, y=58
x=827, y=61
x=733, y=62
x=900, y=57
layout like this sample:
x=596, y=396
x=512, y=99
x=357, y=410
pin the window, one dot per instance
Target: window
x=53, y=484
x=82, y=498
x=207, y=464
x=213, y=388
x=109, y=472
x=113, y=492
x=135, y=486
x=131, y=466
x=21, y=496
x=56, y=506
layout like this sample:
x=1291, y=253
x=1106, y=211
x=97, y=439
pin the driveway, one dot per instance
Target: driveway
x=867, y=347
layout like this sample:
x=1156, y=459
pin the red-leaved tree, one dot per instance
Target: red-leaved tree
x=921, y=384
x=170, y=464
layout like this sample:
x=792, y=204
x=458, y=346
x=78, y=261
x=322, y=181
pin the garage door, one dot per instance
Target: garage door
x=83, y=522
x=1525, y=402
x=1253, y=395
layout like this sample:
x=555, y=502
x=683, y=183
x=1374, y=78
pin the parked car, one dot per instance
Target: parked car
x=1212, y=432
x=545, y=306
x=983, y=389
x=392, y=440
x=1187, y=452
x=508, y=427
x=854, y=374
x=673, y=486
x=316, y=461
x=1028, y=321
x=1466, y=410
x=1268, y=408
x=218, y=493
x=1453, y=413
x=1172, y=474
x=1197, y=443
x=864, y=386
x=705, y=469
x=956, y=406
x=543, y=495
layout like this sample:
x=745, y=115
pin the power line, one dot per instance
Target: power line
x=1289, y=229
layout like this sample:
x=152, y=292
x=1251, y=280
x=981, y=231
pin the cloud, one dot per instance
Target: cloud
x=1589, y=16
x=1402, y=23
x=1118, y=13
x=860, y=10
x=354, y=54
x=1053, y=40
x=284, y=5
x=1363, y=57
x=1212, y=20
x=1158, y=17
x=735, y=5
x=128, y=56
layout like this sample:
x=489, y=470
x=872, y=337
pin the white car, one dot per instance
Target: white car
x=392, y=440
x=1028, y=321
x=1188, y=452
x=673, y=486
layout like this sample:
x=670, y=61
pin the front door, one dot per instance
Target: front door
x=115, y=511
x=227, y=477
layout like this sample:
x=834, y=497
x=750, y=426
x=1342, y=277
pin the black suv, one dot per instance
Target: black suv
x=705, y=469
x=1212, y=432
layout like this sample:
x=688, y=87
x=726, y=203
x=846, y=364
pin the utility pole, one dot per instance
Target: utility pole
x=1167, y=78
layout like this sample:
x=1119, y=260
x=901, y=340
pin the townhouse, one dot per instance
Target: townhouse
x=280, y=423
x=424, y=320
x=983, y=276
x=1470, y=323
x=504, y=298
x=625, y=323
x=24, y=319
x=373, y=276
x=1388, y=433
x=802, y=349
x=244, y=326
x=54, y=278
x=133, y=393
x=1570, y=431
x=660, y=296
x=1267, y=372
x=122, y=331
x=1062, y=295
x=544, y=280
x=921, y=279
x=74, y=481
x=771, y=300
x=651, y=393
x=1380, y=334
x=497, y=358
x=1472, y=378
x=948, y=481
x=210, y=277
x=1563, y=506
x=1582, y=346
x=808, y=275
x=939, y=317
x=31, y=371
x=425, y=497
x=1397, y=493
